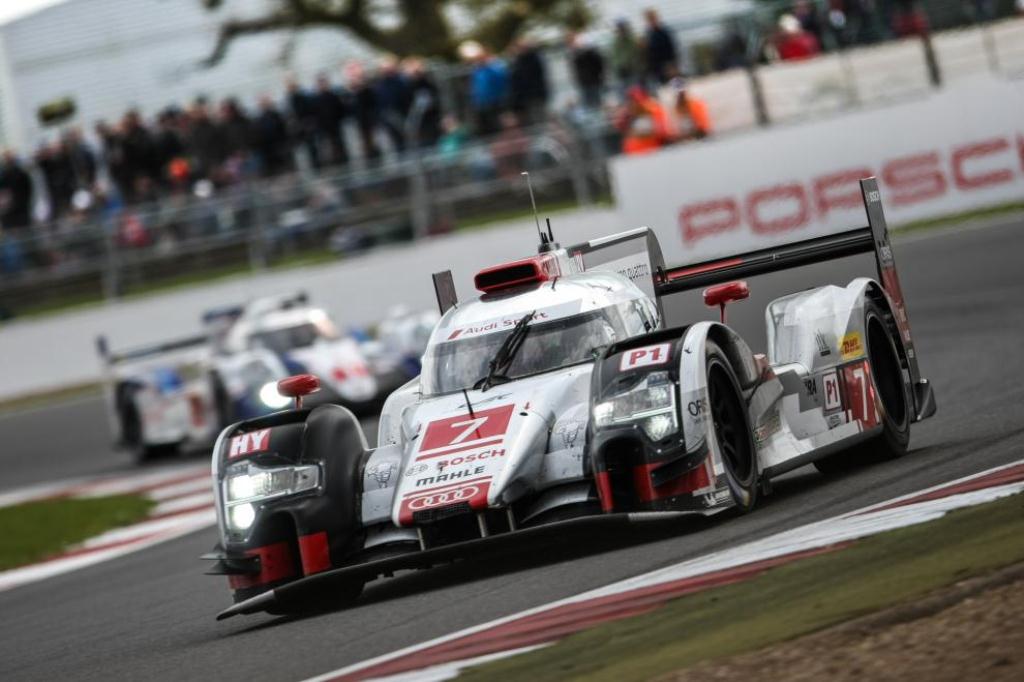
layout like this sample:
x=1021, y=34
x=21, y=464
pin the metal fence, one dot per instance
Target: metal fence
x=109, y=252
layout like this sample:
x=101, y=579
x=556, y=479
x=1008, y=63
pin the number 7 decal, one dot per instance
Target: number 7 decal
x=473, y=425
x=860, y=394
x=462, y=431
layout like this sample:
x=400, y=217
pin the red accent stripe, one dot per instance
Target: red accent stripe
x=181, y=512
x=556, y=623
x=276, y=563
x=692, y=480
x=315, y=553
x=446, y=486
x=679, y=273
x=83, y=551
x=604, y=491
x=1013, y=474
x=487, y=442
x=85, y=488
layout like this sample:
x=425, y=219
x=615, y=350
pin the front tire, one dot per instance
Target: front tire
x=731, y=425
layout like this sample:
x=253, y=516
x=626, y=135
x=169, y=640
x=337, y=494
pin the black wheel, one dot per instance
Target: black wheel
x=893, y=395
x=732, y=430
x=221, y=401
x=132, y=435
x=131, y=428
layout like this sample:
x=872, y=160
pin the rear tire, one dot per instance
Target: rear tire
x=893, y=395
x=731, y=423
x=132, y=436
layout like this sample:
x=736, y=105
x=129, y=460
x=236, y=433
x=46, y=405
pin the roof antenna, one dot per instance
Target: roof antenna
x=536, y=216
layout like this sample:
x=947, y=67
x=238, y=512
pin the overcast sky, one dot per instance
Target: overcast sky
x=12, y=9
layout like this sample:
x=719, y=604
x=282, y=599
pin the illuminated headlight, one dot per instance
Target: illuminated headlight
x=247, y=484
x=652, y=402
x=271, y=398
x=241, y=516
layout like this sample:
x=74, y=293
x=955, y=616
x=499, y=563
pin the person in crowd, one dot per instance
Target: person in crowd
x=15, y=194
x=82, y=159
x=510, y=147
x=689, y=116
x=302, y=115
x=528, y=83
x=330, y=110
x=587, y=69
x=112, y=153
x=426, y=101
x=792, y=42
x=206, y=145
x=644, y=123
x=236, y=130
x=454, y=137
x=625, y=56
x=170, y=144
x=909, y=18
x=659, y=48
x=364, y=108
x=806, y=12
x=394, y=98
x=54, y=163
x=984, y=10
x=732, y=51
x=270, y=139
x=488, y=88
x=139, y=147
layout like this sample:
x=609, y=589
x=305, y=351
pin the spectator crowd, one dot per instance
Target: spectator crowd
x=634, y=81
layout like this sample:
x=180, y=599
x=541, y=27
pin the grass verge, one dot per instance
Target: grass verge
x=36, y=530
x=783, y=603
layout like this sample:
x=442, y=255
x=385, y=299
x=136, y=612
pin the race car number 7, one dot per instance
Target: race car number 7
x=861, y=379
x=465, y=429
x=471, y=426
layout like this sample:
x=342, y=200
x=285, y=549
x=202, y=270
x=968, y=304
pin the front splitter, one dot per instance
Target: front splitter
x=280, y=598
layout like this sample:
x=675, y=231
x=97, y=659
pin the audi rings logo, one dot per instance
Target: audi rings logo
x=439, y=499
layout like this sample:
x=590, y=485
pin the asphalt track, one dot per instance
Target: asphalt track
x=150, y=614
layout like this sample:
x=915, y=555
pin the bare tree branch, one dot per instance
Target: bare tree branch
x=422, y=29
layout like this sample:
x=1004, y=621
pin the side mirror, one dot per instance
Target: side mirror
x=722, y=294
x=298, y=386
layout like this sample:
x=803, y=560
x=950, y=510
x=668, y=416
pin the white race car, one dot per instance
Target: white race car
x=559, y=399
x=181, y=394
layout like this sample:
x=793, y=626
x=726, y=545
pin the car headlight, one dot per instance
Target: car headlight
x=270, y=396
x=249, y=484
x=652, y=402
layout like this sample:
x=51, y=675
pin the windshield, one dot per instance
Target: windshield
x=289, y=338
x=453, y=365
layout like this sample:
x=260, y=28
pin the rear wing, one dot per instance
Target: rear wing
x=874, y=237
x=111, y=359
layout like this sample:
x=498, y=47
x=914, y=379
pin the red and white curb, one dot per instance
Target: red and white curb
x=444, y=657
x=184, y=503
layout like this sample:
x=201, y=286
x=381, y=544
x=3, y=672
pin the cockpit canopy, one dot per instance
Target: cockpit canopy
x=573, y=322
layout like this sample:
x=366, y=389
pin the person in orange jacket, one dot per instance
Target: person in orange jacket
x=645, y=123
x=688, y=114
